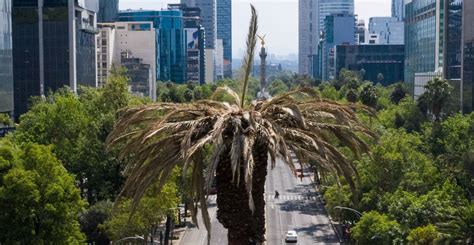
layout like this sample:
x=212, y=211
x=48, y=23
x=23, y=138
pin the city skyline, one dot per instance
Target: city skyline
x=279, y=42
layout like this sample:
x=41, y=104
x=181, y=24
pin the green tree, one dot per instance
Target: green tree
x=352, y=96
x=404, y=115
x=376, y=228
x=91, y=220
x=39, y=201
x=153, y=209
x=398, y=93
x=368, y=95
x=424, y=235
x=398, y=161
x=76, y=126
x=328, y=92
x=347, y=78
x=277, y=87
x=5, y=120
x=380, y=78
x=436, y=95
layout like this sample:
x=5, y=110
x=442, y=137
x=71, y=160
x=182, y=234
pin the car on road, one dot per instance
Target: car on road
x=291, y=236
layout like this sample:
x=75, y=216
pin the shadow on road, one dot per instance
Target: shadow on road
x=316, y=231
x=308, y=207
x=301, y=188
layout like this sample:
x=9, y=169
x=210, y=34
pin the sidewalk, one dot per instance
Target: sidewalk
x=179, y=234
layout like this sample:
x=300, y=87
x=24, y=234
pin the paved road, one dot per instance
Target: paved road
x=297, y=208
x=195, y=236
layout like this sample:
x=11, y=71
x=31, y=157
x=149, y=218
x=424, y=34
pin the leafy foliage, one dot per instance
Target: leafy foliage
x=437, y=94
x=76, y=126
x=151, y=212
x=5, y=120
x=423, y=235
x=40, y=196
x=376, y=228
x=399, y=92
x=368, y=95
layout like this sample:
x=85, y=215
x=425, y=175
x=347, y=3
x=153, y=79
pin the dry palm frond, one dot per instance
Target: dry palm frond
x=224, y=90
x=250, y=53
x=162, y=136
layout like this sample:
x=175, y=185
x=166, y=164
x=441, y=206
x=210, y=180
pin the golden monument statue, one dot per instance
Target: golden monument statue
x=262, y=39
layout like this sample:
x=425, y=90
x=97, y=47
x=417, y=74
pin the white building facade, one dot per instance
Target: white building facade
x=125, y=40
x=389, y=29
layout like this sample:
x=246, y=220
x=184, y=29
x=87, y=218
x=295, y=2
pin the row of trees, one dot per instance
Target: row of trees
x=73, y=154
x=58, y=180
x=417, y=183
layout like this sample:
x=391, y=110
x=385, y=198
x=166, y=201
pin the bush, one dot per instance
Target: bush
x=376, y=228
x=423, y=235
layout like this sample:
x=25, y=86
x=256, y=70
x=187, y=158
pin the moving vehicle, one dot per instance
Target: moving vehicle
x=291, y=236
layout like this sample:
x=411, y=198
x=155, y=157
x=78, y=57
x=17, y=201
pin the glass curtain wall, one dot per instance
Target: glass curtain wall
x=6, y=59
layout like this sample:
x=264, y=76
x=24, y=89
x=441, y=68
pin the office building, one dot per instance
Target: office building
x=209, y=20
x=467, y=70
x=398, y=9
x=224, y=32
x=6, y=59
x=372, y=39
x=372, y=60
x=140, y=75
x=219, y=59
x=330, y=7
x=208, y=17
x=54, y=45
x=195, y=55
x=389, y=30
x=195, y=35
x=421, y=39
x=361, y=32
x=452, y=40
x=338, y=29
x=170, y=41
x=108, y=11
x=308, y=13
x=312, y=14
x=105, y=51
x=128, y=44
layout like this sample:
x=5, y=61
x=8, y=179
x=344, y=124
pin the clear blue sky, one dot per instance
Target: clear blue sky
x=278, y=19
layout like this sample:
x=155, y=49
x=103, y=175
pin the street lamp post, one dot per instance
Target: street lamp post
x=359, y=214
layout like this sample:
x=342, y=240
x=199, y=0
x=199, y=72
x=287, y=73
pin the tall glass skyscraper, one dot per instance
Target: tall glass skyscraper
x=420, y=39
x=208, y=16
x=389, y=30
x=312, y=14
x=329, y=7
x=398, y=9
x=467, y=46
x=6, y=59
x=452, y=46
x=170, y=41
x=54, y=46
x=224, y=32
x=338, y=29
x=108, y=11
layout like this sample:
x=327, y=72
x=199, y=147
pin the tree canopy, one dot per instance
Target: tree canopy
x=39, y=201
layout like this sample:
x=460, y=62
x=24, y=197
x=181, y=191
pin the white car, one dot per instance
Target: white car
x=291, y=236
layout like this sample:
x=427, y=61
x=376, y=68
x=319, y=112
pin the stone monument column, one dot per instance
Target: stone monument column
x=263, y=94
x=263, y=69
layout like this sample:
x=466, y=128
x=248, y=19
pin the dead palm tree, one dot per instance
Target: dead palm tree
x=243, y=138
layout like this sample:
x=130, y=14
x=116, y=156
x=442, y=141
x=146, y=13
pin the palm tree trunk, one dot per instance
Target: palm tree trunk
x=233, y=210
x=260, y=154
